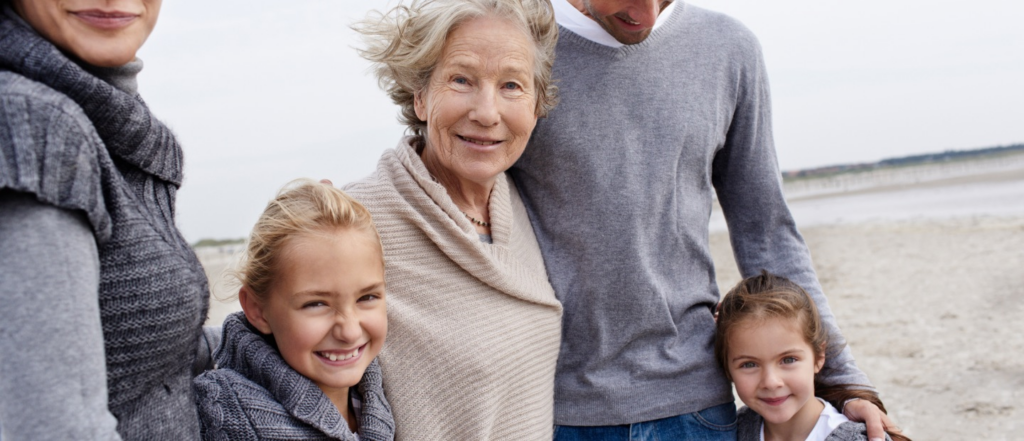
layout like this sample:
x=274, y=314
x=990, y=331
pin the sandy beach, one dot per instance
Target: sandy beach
x=931, y=311
x=925, y=274
x=926, y=278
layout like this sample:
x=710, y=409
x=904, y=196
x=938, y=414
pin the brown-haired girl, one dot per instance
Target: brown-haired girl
x=771, y=343
x=299, y=361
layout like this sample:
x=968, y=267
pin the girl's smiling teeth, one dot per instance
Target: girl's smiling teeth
x=336, y=356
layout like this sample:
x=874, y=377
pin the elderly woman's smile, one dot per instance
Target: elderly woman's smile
x=480, y=103
x=482, y=142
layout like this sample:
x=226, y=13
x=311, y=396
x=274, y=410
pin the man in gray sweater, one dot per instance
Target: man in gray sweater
x=663, y=105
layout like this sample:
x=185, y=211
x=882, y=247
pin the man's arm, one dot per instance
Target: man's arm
x=763, y=234
x=53, y=382
x=761, y=229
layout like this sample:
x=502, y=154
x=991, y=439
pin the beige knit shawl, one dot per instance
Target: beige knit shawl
x=474, y=328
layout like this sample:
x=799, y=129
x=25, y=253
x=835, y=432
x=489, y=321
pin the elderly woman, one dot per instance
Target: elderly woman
x=101, y=300
x=474, y=325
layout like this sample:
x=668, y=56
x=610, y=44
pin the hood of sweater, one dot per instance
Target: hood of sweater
x=108, y=97
x=246, y=351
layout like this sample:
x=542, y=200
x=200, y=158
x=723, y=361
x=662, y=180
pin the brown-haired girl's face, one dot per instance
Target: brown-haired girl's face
x=773, y=368
x=105, y=33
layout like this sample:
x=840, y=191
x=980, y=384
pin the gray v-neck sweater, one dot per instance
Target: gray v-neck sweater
x=619, y=181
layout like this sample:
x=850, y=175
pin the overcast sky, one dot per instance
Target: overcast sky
x=260, y=92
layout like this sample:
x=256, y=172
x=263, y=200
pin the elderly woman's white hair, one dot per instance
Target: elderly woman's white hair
x=406, y=43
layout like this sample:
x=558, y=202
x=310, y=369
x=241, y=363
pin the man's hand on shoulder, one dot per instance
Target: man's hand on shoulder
x=873, y=417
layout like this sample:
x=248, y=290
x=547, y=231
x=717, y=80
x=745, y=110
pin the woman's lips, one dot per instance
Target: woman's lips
x=481, y=141
x=106, y=19
x=482, y=144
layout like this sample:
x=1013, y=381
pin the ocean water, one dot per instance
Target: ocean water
x=998, y=195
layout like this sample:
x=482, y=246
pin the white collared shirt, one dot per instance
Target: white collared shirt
x=572, y=19
x=829, y=419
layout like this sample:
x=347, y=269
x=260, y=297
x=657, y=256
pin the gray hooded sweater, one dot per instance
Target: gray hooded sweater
x=254, y=395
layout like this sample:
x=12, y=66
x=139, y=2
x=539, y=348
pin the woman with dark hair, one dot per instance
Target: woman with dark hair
x=102, y=301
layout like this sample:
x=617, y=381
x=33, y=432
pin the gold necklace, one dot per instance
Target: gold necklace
x=471, y=218
x=475, y=221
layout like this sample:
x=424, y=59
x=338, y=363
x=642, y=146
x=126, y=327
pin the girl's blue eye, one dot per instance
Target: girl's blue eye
x=748, y=365
x=789, y=360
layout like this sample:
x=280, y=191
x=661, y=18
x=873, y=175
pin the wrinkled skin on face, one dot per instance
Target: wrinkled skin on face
x=479, y=104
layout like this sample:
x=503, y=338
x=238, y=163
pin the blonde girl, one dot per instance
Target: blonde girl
x=299, y=361
x=771, y=343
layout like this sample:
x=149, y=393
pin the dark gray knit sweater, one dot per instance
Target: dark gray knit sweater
x=254, y=395
x=749, y=423
x=72, y=141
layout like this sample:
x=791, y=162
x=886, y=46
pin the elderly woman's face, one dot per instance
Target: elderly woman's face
x=104, y=33
x=480, y=104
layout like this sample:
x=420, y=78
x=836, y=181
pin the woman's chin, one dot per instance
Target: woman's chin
x=104, y=56
x=482, y=173
x=484, y=164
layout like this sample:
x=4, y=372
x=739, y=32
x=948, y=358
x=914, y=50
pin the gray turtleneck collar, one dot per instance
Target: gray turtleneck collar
x=121, y=77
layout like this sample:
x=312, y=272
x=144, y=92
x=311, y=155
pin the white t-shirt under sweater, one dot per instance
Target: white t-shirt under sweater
x=572, y=19
x=828, y=421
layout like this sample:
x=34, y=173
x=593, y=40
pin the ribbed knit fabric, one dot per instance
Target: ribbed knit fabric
x=254, y=394
x=619, y=181
x=473, y=328
x=748, y=428
x=77, y=143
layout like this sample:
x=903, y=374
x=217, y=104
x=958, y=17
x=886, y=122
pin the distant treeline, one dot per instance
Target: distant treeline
x=217, y=242
x=902, y=161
